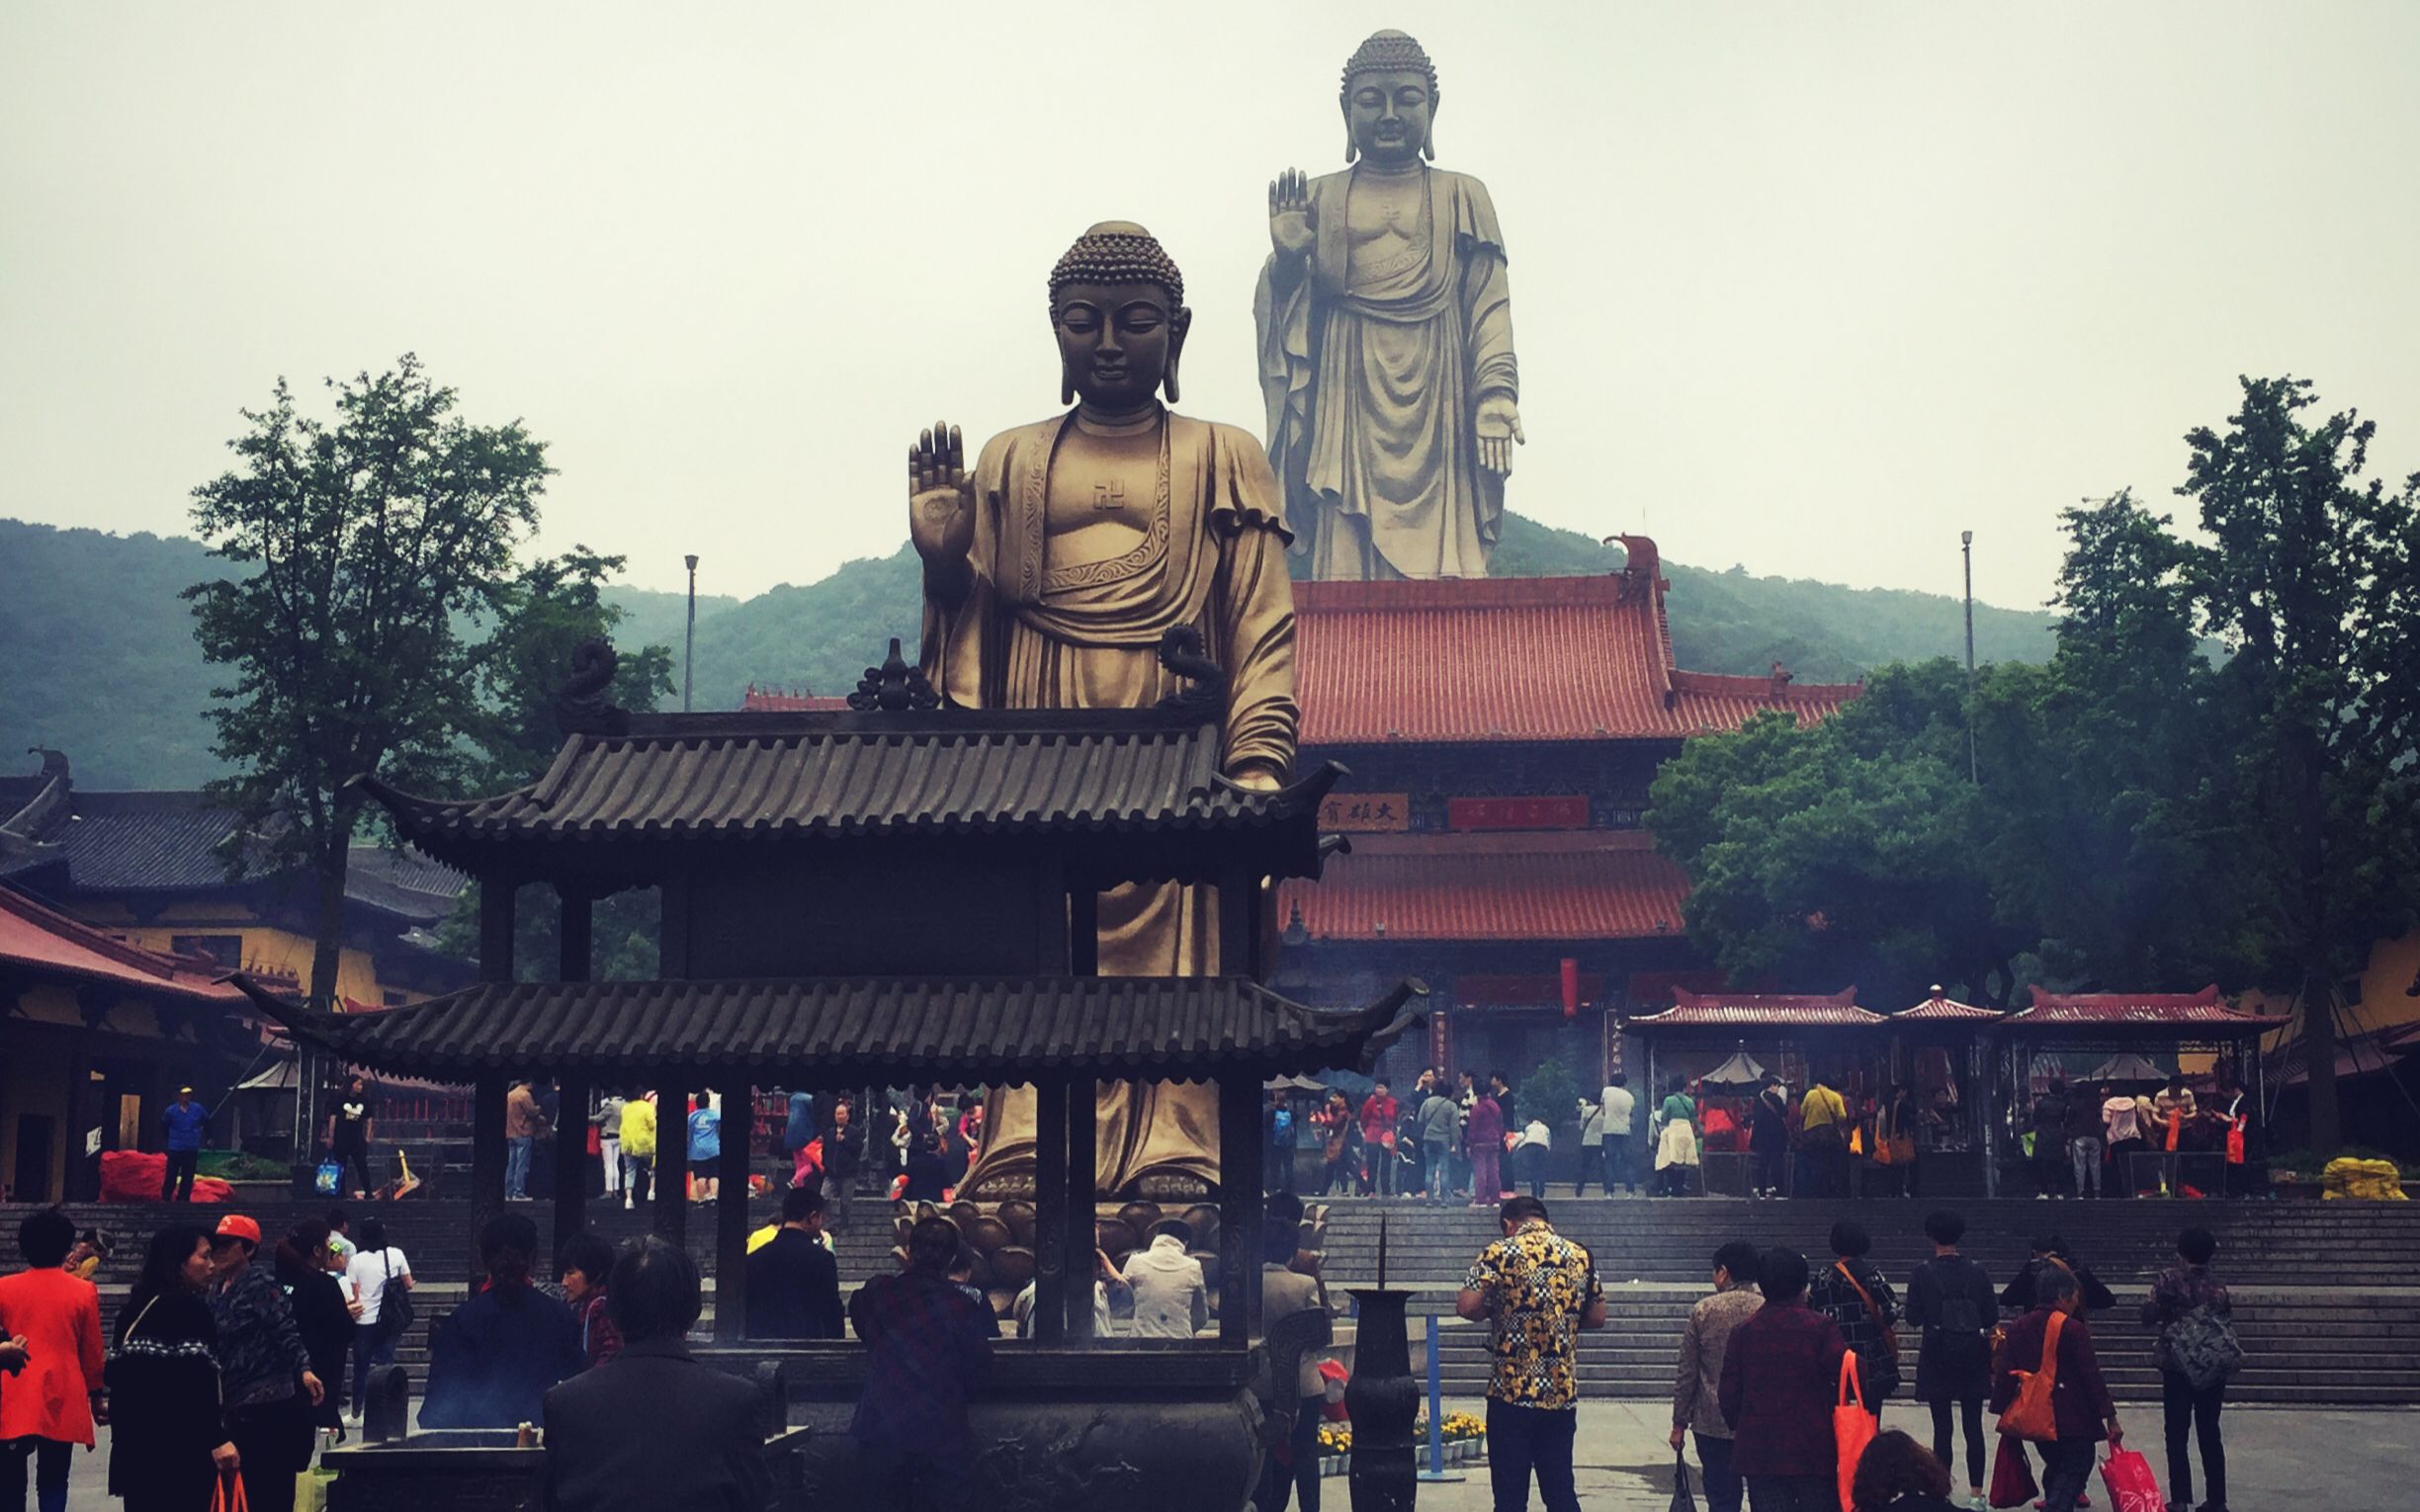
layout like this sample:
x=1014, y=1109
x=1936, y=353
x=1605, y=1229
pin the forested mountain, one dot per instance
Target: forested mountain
x=97, y=657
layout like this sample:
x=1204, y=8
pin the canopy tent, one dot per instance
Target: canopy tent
x=1741, y=1070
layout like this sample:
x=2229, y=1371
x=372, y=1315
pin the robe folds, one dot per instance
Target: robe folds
x=1032, y=633
x=1371, y=386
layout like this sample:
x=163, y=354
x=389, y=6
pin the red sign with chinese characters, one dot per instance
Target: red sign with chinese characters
x=1550, y=812
x=1366, y=812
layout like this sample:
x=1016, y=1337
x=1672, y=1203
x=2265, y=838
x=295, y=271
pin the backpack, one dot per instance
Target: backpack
x=2202, y=1347
x=1960, y=1317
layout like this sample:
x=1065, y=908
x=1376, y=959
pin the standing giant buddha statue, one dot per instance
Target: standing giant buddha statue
x=1386, y=340
x=1052, y=570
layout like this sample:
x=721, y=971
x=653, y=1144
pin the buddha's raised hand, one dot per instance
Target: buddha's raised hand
x=940, y=496
x=1290, y=213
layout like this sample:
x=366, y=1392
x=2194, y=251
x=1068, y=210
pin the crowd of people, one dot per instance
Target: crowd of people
x=1761, y=1364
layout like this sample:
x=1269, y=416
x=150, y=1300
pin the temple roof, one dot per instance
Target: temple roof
x=1573, y=884
x=1464, y=660
x=980, y=1029
x=749, y=777
x=1748, y=1012
x=85, y=842
x=1948, y=1010
x=46, y=942
x=2150, y=1015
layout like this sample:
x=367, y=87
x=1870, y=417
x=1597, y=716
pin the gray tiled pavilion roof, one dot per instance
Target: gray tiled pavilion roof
x=982, y=1028
x=750, y=777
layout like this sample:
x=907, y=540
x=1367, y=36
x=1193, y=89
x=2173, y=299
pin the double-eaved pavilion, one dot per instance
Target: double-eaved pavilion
x=895, y=892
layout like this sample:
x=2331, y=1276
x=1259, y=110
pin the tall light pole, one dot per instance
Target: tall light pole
x=689, y=643
x=1974, y=769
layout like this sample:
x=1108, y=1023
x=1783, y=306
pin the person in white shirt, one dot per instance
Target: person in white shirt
x=1171, y=1300
x=375, y=1268
x=1530, y=1152
x=1622, y=1162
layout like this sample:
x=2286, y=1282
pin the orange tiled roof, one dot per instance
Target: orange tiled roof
x=1761, y=1010
x=1537, y=658
x=52, y=944
x=1576, y=884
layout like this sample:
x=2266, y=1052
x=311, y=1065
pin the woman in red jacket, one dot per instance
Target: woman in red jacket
x=47, y=1410
x=2079, y=1396
x=1378, y=1112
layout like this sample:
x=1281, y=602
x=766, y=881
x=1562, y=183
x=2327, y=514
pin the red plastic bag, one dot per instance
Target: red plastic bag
x=135, y=1175
x=2011, y=1482
x=2131, y=1486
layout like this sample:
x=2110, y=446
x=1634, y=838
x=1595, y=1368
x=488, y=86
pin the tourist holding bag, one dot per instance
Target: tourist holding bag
x=2047, y=1389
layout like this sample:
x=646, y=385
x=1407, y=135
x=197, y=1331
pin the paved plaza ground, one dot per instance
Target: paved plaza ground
x=2278, y=1459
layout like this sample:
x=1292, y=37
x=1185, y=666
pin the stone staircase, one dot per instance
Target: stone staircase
x=2321, y=1291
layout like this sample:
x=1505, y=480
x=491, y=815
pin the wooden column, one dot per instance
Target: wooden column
x=486, y=1149
x=1240, y=1207
x=577, y=935
x=1050, y=1259
x=487, y=1093
x=1083, y=932
x=671, y=1215
x=571, y=1158
x=732, y=1215
x=1239, y=923
x=1083, y=1174
x=571, y=1107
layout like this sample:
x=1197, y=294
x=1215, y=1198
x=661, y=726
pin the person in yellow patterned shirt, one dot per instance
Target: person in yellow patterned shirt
x=1537, y=1290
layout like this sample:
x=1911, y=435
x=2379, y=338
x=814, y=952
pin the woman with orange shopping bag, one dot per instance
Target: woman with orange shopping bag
x=2047, y=1389
x=168, y=1448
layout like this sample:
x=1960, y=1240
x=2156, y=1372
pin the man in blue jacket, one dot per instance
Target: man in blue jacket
x=186, y=1121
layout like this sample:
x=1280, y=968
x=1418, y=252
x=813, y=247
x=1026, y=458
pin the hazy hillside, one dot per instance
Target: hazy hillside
x=97, y=655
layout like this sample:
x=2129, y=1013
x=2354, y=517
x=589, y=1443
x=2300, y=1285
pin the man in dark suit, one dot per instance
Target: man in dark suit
x=653, y=1430
x=793, y=1282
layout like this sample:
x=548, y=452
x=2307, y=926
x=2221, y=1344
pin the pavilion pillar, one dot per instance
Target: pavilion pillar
x=571, y=1158
x=732, y=1214
x=1051, y=1211
x=670, y=1219
x=486, y=1149
x=1082, y=1175
x=572, y=1106
x=1083, y=932
x=1239, y=1207
x=489, y=1091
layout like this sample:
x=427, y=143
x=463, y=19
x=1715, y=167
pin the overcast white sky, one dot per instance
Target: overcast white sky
x=1808, y=288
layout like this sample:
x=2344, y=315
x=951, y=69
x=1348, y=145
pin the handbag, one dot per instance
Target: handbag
x=394, y=1308
x=2131, y=1486
x=1681, y=1500
x=229, y=1495
x=2011, y=1482
x=1853, y=1428
x=2030, y=1416
x=328, y=1178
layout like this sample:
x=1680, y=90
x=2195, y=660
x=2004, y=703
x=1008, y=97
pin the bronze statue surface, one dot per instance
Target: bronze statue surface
x=1053, y=570
x=1385, y=324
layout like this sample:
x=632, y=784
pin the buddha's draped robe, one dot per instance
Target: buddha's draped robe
x=1033, y=633
x=1371, y=375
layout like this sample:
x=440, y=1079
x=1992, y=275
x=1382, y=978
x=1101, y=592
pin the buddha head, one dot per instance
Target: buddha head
x=1117, y=305
x=1390, y=100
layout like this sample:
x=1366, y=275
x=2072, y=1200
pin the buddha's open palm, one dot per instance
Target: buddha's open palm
x=940, y=496
x=1497, y=424
x=1290, y=213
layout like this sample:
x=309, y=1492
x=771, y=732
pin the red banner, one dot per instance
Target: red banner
x=1551, y=812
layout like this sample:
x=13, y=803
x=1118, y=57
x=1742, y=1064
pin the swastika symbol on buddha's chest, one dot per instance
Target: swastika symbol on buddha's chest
x=1108, y=496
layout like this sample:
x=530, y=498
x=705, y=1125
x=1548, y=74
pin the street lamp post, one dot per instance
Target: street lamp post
x=1974, y=769
x=689, y=641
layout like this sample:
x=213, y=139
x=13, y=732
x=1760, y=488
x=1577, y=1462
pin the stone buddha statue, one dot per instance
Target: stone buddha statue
x=1053, y=568
x=1386, y=340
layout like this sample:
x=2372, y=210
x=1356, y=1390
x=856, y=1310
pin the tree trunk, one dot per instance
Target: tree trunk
x=2320, y=1061
x=328, y=924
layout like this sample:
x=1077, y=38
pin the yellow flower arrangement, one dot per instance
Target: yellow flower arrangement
x=1336, y=1439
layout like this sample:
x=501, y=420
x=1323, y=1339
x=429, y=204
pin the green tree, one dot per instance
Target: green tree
x=543, y=616
x=364, y=545
x=2311, y=577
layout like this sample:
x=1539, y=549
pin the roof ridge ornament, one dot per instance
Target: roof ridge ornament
x=1181, y=652
x=895, y=686
x=585, y=706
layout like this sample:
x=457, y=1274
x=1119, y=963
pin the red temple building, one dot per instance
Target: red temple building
x=1501, y=734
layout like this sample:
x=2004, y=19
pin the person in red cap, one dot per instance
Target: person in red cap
x=266, y=1387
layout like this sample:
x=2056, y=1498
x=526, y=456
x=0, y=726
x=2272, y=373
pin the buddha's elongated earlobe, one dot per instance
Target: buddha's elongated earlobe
x=1066, y=383
x=1167, y=380
x=1428, y=147
x=1352, y=152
